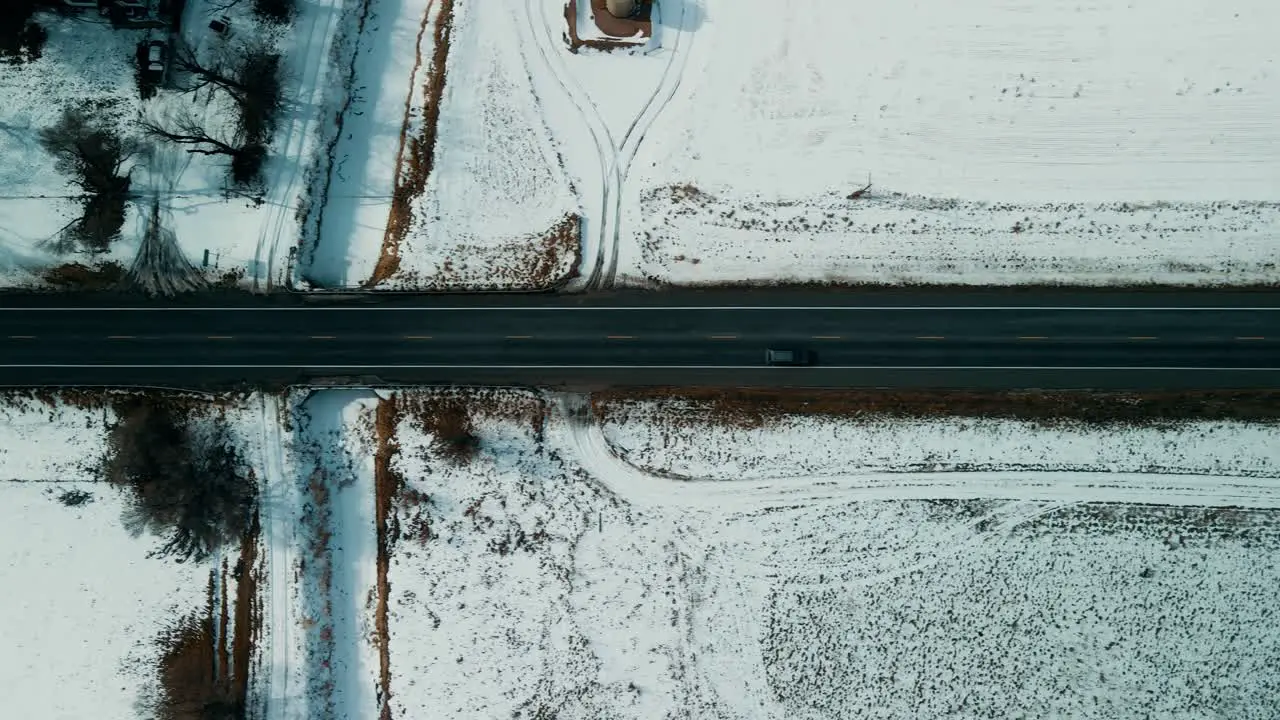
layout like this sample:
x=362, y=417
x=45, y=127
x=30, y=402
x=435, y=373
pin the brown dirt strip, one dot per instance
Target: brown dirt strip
x=411, y=181
x=753, y=407
x=248, y=612
x=387, y=487
x=76, y=276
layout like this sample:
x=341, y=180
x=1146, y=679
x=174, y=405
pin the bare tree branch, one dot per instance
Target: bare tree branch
x=204, y=75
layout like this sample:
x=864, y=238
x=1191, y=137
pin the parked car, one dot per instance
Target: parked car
x=789, y=356
x=156, y=61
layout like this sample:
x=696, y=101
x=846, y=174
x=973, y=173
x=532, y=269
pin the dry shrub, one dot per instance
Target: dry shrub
x=452, y=432
x=190, y=685
x=753, y=407
x=77, y=276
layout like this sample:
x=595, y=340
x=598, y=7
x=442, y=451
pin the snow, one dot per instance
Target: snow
x=555, y=575
x=1008, y=142
x=493, y=152
x=322, y=575
x=685, y=440
x=83, y=64
x=41, y=442
x=84, y=602
x=89, y=64
x=387, y=60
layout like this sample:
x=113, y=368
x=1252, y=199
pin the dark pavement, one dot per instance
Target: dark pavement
x=929, y=339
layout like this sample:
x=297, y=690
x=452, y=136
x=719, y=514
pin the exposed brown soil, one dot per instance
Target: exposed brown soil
x=528, y=265
x=387, y=487
x=416, y=155
x=75, y=276
x=622, y=32
x=564, y=238
x=248, y=610
x=192, y=672
x=753, y=407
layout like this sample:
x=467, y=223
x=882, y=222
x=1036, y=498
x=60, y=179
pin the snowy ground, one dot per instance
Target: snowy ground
x=89, y=64
x=1007, y=142
x=318, y=655
x=84, y=604
x=551, y=575
x=85, y=64
x=486, y=213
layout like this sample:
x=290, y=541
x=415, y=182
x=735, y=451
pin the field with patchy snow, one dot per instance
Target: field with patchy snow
x=1007, y=143
x=1074, y=570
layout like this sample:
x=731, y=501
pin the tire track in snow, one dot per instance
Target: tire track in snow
x=667, y=86
x=313, y=59
x=647, y=489
x=591, y=117
x=615, y=159
x=278, y=563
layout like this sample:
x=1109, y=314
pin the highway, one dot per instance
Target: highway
x=955, y=340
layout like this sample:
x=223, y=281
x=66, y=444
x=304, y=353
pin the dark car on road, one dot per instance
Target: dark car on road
x=788, y=356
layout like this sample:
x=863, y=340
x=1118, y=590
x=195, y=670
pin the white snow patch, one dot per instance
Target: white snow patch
x=1007, y=143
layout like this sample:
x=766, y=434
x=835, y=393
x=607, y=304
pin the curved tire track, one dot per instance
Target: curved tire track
x=544, y=40
x=615, y=158
x=666, y=89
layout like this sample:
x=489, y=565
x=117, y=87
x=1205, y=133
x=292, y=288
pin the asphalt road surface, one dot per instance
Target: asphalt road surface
x=978, y=340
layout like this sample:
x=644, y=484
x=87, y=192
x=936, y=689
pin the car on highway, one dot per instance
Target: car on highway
x=788, y=356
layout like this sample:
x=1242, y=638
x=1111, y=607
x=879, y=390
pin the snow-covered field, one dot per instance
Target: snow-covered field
x=84, y=602
x=642, y=559
x=1007, y=142
x=1072, y=571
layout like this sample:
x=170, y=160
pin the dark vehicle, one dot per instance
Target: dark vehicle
x=788, y=356
x=156, y=61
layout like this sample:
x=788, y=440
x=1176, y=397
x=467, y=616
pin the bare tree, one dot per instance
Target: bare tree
x=160, y=267
x=260, y=104
x=21, y=38
x=190, y=487
x=94, y=156
x=183, y=128
x=280, y=11
x=205, y=74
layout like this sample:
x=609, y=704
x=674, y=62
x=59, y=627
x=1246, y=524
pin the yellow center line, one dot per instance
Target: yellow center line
x=1251, y=337
x=22, y=337
x=621, y=337
x=930, y=337
x=826, y=337
x=1143, y=337
x=519, y=337
x=1032, y=337
x=322, y=337
x=220, y=337
x=724, y=337
x=417, y=337
x=119, y=337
